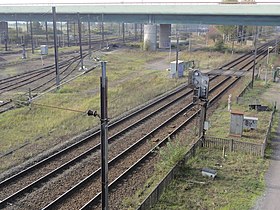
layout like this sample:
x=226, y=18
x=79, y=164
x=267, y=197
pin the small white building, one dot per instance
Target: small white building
x=44, y=49
x=180, y=70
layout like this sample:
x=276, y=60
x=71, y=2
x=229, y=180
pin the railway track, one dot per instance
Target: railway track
x=247, y=60
x=81, y=149
x=132, y=143
x=39, y=80
x=132, y=156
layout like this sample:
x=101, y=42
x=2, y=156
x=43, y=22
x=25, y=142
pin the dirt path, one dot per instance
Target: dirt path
x=271, y=198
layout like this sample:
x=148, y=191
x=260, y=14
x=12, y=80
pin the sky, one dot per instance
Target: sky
x=104, y=1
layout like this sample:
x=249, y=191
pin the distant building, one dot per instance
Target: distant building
x=3, y=31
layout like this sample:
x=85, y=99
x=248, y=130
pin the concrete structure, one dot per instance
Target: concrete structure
x=149, y=13
x=150, y=37
x=209, y=172
x=164, y=36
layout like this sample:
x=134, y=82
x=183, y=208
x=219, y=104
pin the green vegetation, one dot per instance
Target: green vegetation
x=240, y=179
x=239, y=182
x=169, y=155
x=220, y=120
x=129, y=86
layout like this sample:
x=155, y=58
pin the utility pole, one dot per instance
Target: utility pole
x=203, y=106
x=255, y=56
x=123, y=32
x=135, y=31
x=141, y=32
x=89, y=34
x=17, y=36
x=75, y=34
x=55, y=48
x=61, y=35
x=104, y=137
x=68, y=36
x=80, y=41
x=46, y=29
x=6, y=41
x=276, y=42
x=31, y=36
x=200, y=84
x=102, y=30
x=177, y=54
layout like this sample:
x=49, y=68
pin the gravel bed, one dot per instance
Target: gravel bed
x=32, y=176
x=138, y=180
x=86, y=167
x=82, y=170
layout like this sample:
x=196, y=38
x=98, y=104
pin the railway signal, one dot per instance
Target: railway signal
x=201, y=84
x=204, y=87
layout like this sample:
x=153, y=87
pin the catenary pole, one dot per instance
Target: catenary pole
x=104, y=137
x=80, y=41
x=55, y=48
x=255, y=56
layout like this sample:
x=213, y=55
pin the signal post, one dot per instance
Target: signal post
x=200, y=85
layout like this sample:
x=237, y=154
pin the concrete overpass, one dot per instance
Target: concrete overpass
x=150, y=14
x=167, y=13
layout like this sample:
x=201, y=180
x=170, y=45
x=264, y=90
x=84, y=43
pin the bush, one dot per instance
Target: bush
x=219, y=46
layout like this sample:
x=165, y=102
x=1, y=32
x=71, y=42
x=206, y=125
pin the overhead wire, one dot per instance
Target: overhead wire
x=63, y=83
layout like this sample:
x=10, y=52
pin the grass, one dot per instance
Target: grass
x=240, y=178
x=236, y=186
x=220, y=120
x=130, y=85
x=126, y=74
x=169, y=155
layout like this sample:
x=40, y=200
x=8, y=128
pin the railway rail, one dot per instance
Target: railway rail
x=20, y=192
x=247, y=60
x=40, y=79
x=133, y=140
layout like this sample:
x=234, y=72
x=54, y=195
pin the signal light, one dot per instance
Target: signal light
x=201, y=84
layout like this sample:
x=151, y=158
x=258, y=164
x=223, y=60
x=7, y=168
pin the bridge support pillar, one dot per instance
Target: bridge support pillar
x=164, y=36
x=150, y=37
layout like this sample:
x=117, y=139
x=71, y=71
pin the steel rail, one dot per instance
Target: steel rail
x=34, y=77
x=22, y=173
x=25, y=74
x=84, y=154
x=245, y=56
x=119, y=156
x=119, y=179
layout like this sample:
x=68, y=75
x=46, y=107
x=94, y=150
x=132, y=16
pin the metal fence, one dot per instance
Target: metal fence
x=240, y=146
x=268, y=132
x=233, y=145
x=210, y=142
